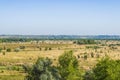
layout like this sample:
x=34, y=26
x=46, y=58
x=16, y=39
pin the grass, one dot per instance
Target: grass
x=11, y=77
x=12, y=61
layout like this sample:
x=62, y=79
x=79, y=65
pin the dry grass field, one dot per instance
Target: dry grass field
x=88, y=54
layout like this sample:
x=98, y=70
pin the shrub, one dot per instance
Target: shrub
x=22, y=47
x=89, y=75
x=42, y=70
x=13, y=68
x=40, y=48
x=107, y=69
x=85, y=56
x=68, y=67
x=8, y=50
x=85, y=41
x=92, y=47
x=50, y=48
x=4, y=52
x=27, y=68
x=92, y=55
x=17, y=49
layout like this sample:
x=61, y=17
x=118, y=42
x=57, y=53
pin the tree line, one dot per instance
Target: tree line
x=85, y=41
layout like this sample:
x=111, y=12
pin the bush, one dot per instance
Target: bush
x=85, y=56
x=40, y=48
x=27, y=68
x=92, y=55
x=92, y=47
x=13, y=68
x=17, y=49
x=46, y=48
x=85, y=41
x=107, y=69
x=4, y=52
x=50, y=48
x=42, y=70
x=68, y=67
x=89, y=75
x=8, y=50
x=22, y=47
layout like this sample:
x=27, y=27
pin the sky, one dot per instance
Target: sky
x=60, y=17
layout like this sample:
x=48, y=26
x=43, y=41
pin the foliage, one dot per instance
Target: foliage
x=85, y=56
x=14, y=40
x=92, y=47
x=92, y=55
x=107, y=69
x=8, y=50
x=85, y=41
x=68, y=67
x=4, y=53
x=89, y=75
x=40, y=48
x=42, y=70
x=50, y=48
x=27, y=68
x=17, y=49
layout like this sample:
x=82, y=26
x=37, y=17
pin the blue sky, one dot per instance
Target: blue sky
x=55, y=17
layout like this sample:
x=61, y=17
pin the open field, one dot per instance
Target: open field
x=11, y=61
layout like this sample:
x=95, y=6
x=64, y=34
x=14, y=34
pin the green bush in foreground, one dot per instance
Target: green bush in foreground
x=105, y=69
x=68, y=67
x=42, y=70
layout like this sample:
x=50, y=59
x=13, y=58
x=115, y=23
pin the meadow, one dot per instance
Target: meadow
x=13, y=55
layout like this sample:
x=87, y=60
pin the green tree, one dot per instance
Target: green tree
x=114, y=70
x=42, y=70
x=107, y=69
x=68, y=67
x=100, y=70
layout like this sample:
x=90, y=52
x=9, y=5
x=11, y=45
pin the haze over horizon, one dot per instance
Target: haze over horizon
x=60, y=17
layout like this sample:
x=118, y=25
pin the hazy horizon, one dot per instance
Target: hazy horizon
x=60, y=17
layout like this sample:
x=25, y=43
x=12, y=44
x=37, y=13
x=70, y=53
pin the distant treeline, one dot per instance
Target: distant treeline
x=14, y=40
x=25, y=39
x=77, y=41
x=80, y=39
x=85, y=41
x=64, y=37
